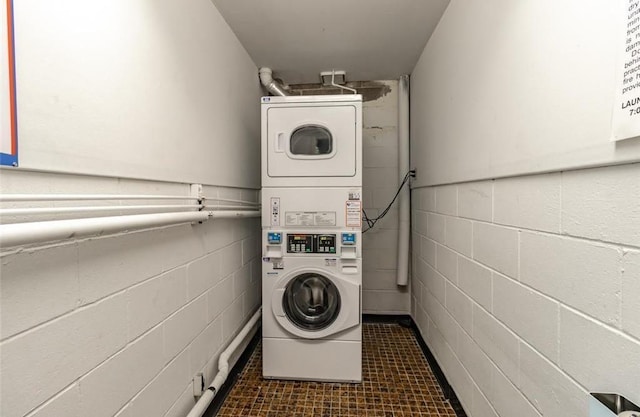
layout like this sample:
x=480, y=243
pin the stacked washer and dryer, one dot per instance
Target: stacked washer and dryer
x=311, y=237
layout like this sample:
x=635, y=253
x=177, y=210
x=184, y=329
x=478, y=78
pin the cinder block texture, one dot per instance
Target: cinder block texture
x=508, y=400
x=475, y=200
x=497, y=341
x=120, y=324
x=582, y=274
x=531, y=202
x=447, y=200
x=380, y=183
x=548, y=388
x=603, y=364
x=603, y=204
x=548, y=266
x=459, y=235
x=531, y=315
x=496, y=247
x=631, y=293
x=20, y=306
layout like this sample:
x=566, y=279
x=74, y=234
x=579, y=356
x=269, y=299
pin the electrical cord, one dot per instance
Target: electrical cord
x=372, y=222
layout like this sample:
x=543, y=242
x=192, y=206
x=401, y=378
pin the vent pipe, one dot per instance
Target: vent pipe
x=274, y=87
x=404, y=205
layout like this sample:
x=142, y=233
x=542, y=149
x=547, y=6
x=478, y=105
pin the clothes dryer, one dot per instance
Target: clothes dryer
x=312, y=141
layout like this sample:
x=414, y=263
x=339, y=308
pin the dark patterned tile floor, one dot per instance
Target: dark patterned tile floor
x=397, y=382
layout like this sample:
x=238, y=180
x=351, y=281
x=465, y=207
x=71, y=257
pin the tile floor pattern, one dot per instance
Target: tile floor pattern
x=397, y=382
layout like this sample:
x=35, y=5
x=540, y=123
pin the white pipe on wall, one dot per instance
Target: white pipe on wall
x=222, y=207
x=67, y=197
x=234, y=214
x=64, y=210
x=404, y=204
x=35, y=232
x=223, y=367
x=83, y=197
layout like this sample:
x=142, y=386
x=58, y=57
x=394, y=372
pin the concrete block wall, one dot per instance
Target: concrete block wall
x=527, y=289
x=119, y=325
x=380, y=182
x=380, y=293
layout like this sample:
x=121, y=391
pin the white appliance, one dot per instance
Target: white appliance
x=312, y=141
x=307, y=207
x=311, y=221
x=311, y=294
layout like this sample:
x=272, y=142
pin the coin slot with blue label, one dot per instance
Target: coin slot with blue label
x=274, y=238
x=348, y=238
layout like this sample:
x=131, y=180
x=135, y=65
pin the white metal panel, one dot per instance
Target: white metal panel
x=282, y=115
x=330, y=201
x=312, y=360
x=338, y=120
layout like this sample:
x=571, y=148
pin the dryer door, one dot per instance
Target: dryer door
x=314, y=304
x=314, y=141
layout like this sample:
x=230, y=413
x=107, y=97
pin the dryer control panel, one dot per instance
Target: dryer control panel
x=311, y=243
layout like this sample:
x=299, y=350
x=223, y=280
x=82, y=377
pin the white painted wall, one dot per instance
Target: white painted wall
x=119, y=325
x=525, y=286
x=506, y=88
x=380, y=294
x=527, y=289
x=148, y=89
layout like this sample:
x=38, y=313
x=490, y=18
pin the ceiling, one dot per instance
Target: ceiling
x=370, y=39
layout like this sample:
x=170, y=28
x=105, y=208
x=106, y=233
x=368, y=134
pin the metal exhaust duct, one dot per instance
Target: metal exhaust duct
x=274, y=87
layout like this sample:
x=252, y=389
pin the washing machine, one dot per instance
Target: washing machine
x=312, y=308
x=312, y=141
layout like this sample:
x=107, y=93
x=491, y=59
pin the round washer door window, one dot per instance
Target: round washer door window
x=311, y=301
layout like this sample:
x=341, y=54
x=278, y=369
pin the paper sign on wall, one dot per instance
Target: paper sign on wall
x=626, y=112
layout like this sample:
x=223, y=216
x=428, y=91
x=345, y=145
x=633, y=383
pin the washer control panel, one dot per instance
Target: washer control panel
x=311, y=243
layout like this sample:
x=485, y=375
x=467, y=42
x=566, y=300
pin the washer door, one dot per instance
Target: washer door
x=311, y=301
x=313, y=304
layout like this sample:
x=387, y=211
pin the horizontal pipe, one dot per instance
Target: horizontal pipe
x=62, y=210
x=81, y=197
x=67, y=197
x=234, y=214
x=230, y=200
x=221, y=207
x=37, y=232
x=223, y=367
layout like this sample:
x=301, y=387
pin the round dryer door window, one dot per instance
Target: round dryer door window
x=311, y=301
x=311, y=140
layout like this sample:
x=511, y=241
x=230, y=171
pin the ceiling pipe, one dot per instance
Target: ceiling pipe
x=274, y=87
